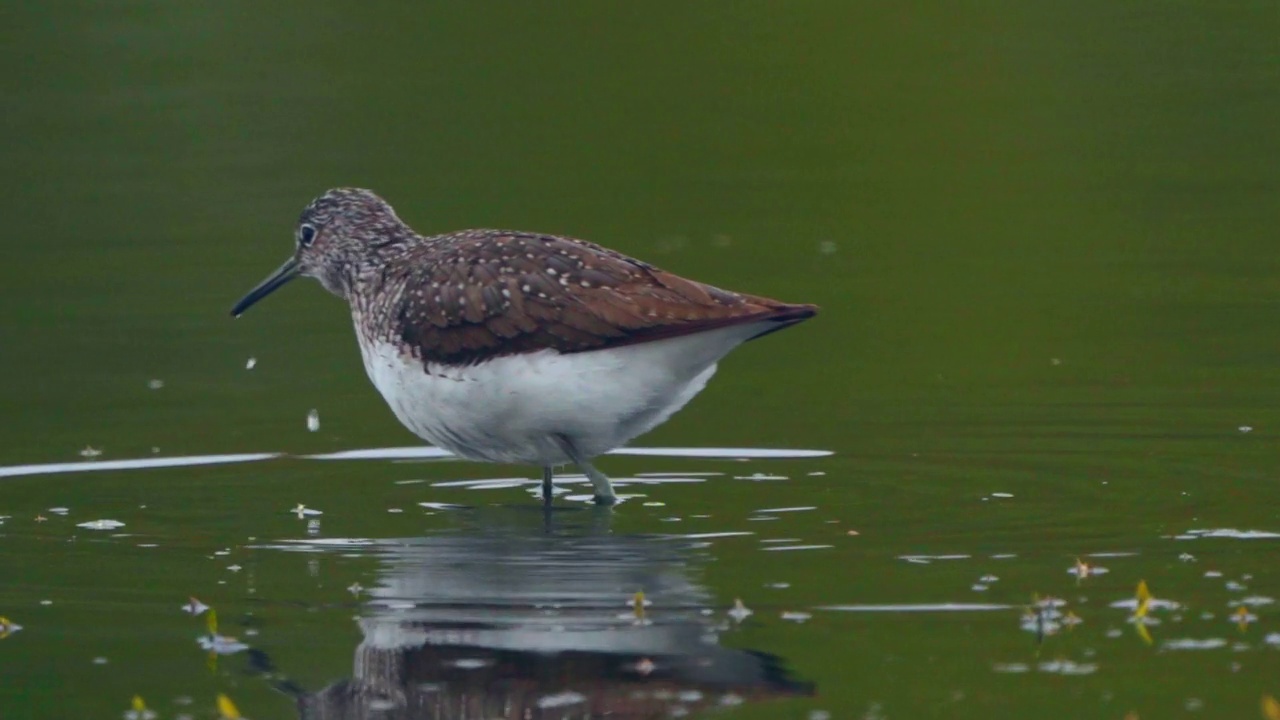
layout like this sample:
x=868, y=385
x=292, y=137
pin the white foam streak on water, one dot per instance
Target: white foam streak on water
x=396, y=453
x=139, y=464
x=723, y=452
x=424, y=452
x=1230, y=533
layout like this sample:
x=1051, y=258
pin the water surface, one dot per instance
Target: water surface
x=1043, y=240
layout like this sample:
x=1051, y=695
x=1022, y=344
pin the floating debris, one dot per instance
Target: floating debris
x=40, y=518
x=797, y=617
x=138, y=710
x=303, y=511
x=155, y=384
x=313, y=420
x=1187, y=557
x=1083, y=569
x=739, y=612
x=1245, y=428
x=251, y=363
x=89, y=452
x=194, y=607
x=355, y=588
x=227, y=710
x=101, y=525
x=1242, y=618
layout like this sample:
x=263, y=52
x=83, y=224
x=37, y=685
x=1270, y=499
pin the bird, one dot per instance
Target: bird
x=518, y=347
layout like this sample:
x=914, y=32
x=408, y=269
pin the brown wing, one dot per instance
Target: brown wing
x=479, y=294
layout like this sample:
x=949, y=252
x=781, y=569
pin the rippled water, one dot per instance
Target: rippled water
x=1023, y=464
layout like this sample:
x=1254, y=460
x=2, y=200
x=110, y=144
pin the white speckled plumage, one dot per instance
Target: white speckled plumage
x=509, y=346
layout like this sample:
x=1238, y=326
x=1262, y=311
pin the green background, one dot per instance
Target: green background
x=1043, y=237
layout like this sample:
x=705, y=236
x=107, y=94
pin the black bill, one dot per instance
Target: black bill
x=282, y=275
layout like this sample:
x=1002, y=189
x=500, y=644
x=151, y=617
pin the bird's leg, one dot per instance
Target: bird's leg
x=604, y=489
x=547, y=474
x=604, y=494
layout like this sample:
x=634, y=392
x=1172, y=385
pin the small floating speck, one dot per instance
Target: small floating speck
x=562, y=699
x=654, y=504
x=221, y=644
x=1067, y=667
x=101, y=525
x=988, y=579
x=978, y=587
x=1014, y=668
x=313, y=420
x=709, y=535
x=1213, y=573
x=1187, y=557
x=303, y=511
x=739, y=611
x=99, y=661
x=59, y=510
x=783, y=548
x=250, y=363
x=193, y=606
x=926, y=559
x=1083, y=570
x=1001, y=495
x=234, y=568
x=139, y=710
x=155, y=384
x=1193, y=644
x=355, y=588
x=46, y=602
x=90, y=452
x=1245, y=428
x=797, y=617
x=787, y=509
x=1252, y=601
x=442, y=506
x=471, y=663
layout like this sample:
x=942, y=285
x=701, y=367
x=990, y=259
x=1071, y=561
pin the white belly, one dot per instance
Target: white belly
x=511, y=409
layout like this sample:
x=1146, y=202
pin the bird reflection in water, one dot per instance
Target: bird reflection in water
x=508, y=619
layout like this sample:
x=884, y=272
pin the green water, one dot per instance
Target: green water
x=1043, y=239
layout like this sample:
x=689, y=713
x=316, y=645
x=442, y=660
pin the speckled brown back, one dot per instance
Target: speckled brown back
x=472, y=295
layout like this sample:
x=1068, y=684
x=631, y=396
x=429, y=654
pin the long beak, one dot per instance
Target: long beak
x=282, y=275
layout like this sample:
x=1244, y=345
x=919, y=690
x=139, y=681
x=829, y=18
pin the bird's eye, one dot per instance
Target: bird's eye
x=306, y=234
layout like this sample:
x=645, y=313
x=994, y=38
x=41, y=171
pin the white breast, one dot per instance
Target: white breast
x=510, y=409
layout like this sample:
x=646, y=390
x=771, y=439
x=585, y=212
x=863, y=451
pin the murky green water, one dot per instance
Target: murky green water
x=1043, y=239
